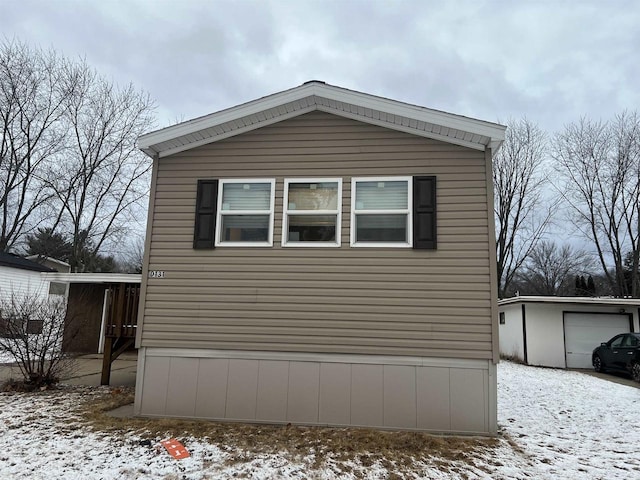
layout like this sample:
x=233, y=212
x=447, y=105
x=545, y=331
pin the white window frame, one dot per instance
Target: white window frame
x=219, y=213
x=392, y=211
x=285, y=213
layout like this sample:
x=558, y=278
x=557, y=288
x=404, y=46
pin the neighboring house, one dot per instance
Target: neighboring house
x=88, y=306
x=22, y=277
x=21, y=280
x=322, y=256
x=562, y=331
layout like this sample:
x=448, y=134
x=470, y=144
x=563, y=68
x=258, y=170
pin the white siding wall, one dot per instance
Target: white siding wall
x=22, y=283
x=511, y=336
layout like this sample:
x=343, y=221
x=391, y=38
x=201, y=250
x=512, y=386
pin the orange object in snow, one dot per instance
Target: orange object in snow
x=175, y=449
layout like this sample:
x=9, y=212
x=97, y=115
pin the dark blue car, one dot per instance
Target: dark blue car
x=621, y=354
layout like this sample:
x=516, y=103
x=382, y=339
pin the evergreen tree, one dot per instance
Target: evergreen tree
x=83, y=258
x=591, y=287
x=47, y=243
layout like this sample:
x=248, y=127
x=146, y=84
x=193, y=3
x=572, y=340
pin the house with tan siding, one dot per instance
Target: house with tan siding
x=321, y=256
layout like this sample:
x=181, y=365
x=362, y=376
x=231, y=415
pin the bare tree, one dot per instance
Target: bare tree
x=519, y=183
x=31, y=132
x=551, y=269
x=68, y=160
x=599, y=163
x=104, y=175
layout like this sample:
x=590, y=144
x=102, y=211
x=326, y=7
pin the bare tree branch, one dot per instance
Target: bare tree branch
x=104, y=175
x=521, y=219
x=599, y=163
x=31, y=107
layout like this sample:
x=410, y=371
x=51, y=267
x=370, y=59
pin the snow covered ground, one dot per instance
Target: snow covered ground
x=553, y=425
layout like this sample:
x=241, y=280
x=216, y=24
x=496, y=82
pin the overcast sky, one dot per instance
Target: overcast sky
x=551, y=61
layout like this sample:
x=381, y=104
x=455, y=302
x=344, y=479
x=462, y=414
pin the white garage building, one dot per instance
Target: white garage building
x=562, y=331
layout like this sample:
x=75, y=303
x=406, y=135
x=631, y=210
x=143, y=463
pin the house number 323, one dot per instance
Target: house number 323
x=156, y=273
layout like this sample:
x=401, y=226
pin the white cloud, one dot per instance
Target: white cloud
x=551, y=61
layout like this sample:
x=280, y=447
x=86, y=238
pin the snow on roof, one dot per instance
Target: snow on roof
x=574, y=300
x=318, y=95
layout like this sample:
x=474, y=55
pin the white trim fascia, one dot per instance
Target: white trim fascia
x=394, y=107
x=233, y=133
x=271, y=213
x=92, y=277
x=574, y=300
x=482, y=364
x=409, y=212
x=227, y=115
x=285, y=214
x=495, y=144
x=404, y=128
x=150, y=141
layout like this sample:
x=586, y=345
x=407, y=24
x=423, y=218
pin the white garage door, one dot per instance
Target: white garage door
x=585, y=331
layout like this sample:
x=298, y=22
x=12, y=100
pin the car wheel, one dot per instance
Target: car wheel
x=598, y=365
x=635, y=371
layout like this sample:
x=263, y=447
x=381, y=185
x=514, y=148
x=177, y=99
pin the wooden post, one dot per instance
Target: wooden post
x=121, y=330
x=106, y=361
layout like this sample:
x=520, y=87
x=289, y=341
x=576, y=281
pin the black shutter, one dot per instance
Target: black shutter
x=205, y=227
x=424, y=213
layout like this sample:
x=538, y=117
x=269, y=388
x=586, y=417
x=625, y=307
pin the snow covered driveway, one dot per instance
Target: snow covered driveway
x=553, y=425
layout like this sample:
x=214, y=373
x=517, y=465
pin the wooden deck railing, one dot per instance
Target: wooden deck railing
x=122, y=313
x=121, y=324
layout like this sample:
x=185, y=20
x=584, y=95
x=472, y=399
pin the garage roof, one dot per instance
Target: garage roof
x=93, y=277
x=317, y=95
x=579, y=300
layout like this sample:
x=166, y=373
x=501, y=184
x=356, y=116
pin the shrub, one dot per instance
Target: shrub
x=31, y=334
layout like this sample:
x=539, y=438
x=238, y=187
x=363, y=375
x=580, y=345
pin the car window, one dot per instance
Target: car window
x=632, y=341
x=617, y=342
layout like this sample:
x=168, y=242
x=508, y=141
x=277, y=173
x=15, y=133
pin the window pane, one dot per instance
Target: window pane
x=313, y=196
x=381, y=195
x=57, y=288
x=312, y=228
x=34, y=327
x=381, y=228
x=245, y=228
x=246, y=196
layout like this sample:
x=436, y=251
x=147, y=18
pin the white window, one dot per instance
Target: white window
x=245, y=213
x=381, y=212
x=312, y=212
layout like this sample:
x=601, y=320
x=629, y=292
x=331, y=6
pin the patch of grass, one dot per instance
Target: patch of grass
x=396, y=451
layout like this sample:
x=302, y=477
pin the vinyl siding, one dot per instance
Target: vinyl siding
x=396, y=301
x=22, y=284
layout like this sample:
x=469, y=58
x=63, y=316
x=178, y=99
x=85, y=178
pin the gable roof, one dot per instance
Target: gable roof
x=13, y=261
x=317, y=95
